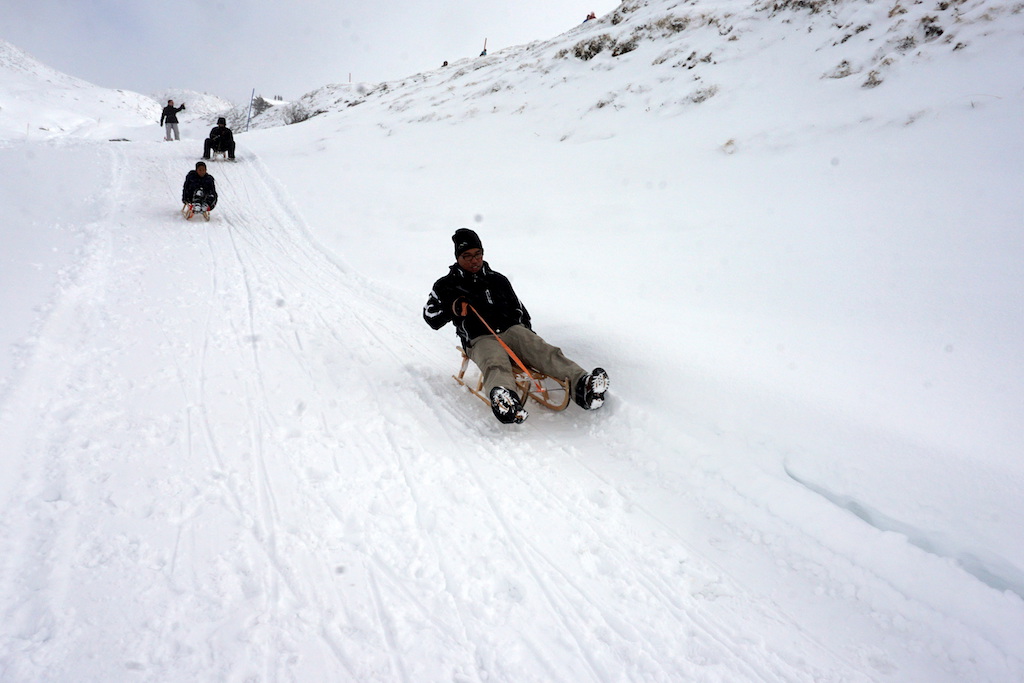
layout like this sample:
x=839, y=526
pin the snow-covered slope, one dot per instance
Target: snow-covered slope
x=37, y=102
x=790, y=210
x=666, y=57
x=235, y=452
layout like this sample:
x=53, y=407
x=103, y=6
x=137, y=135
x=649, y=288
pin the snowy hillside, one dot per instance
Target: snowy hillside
x=37, y=102
x=667, y=57
x=789, y=230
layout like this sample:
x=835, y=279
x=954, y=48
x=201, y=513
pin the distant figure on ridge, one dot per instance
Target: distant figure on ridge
x=589, y=17
x=220, y=140
x=169, y=118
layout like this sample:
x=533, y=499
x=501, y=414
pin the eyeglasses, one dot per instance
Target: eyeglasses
x=470, y=256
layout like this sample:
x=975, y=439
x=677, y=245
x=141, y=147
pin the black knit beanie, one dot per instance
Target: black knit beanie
x=465, y=239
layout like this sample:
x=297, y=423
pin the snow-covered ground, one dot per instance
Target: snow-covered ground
x=234, y=452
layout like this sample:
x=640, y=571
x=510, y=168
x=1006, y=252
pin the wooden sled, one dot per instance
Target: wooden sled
x=189, y=210
x=553, y=394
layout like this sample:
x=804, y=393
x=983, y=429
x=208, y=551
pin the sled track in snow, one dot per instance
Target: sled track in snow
x=248, y=462
x=267, y=242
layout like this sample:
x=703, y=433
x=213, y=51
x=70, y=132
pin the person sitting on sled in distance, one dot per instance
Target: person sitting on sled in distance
x=220, y=140
x=472, y=293
x=199, y=179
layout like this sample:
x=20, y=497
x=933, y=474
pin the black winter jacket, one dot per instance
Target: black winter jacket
x=170, y=114
x=193, y=182
x=489, y=292
x=221, y=137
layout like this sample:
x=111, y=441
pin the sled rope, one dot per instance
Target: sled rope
x=510, y=352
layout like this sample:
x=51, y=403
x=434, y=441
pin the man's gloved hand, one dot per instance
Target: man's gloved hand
x=460, y=307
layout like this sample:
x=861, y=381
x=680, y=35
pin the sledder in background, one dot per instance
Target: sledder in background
x=221, y=141
x=496, y=333
x=199, y=193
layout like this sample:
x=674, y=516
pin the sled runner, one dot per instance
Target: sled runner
x=219, y=155
x=189, y=210
x=549, y=392
x=197, y=205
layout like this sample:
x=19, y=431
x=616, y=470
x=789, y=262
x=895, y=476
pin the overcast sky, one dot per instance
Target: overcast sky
x=228, y=47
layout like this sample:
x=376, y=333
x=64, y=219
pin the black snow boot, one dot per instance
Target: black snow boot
x=506, y=406
x=590, y=389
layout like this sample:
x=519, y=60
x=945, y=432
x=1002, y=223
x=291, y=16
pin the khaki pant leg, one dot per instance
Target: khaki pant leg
x=539, y=354
x=494, y=363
